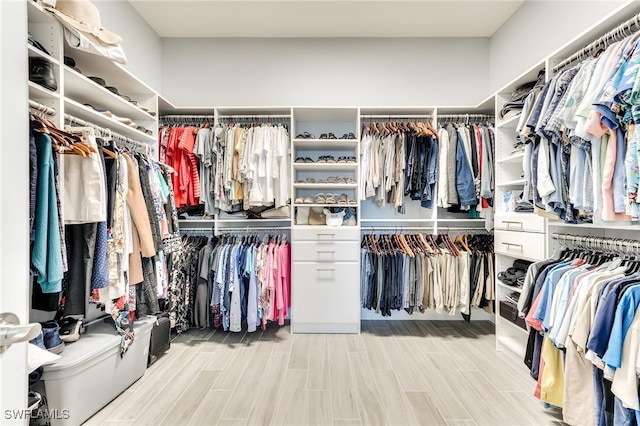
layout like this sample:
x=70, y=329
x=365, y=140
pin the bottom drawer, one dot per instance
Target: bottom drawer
x=325, y=295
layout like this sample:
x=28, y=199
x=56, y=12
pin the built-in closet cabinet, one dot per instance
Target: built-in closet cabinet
x=325, y=289
x=80, y=102
x=517, y=235
x=132, y=112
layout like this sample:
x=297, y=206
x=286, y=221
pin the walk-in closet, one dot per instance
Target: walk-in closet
x=319, y=212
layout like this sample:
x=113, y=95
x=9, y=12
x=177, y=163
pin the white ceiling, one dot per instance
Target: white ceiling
x=325, y=18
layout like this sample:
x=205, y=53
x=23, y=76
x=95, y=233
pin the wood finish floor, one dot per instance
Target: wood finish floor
x=393, y=373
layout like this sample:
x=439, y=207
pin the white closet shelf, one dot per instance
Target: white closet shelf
x=515, y=326
x=325, y=143
x=115, y=75
x=511, y=183
x=246, y=220
x=37, y=53
x=462, y=219
x=326, y=186
x=324, y=167
x=399, y=221
x=608, y=226
x=36, y=91
x=37, y=14
x=512, y=159
x=516, y=256
x=510, y=122
x=85, y=113
x=84, y=90
x=508, y=287
x=325, y=205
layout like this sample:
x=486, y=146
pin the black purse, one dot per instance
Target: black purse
x=42, y=73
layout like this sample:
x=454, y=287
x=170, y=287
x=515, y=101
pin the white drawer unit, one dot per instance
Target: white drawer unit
x=325, y=234
x=521, y=222
x=527, y=245
x=325, y=298
x=339, y=251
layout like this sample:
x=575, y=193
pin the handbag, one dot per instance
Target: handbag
x=41, y=72
x=316, y=216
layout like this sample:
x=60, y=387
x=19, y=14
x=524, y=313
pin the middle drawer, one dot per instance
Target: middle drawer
x=338, y=251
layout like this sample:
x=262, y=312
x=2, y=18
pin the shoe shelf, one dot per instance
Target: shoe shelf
x=508, y=287
x=325, y=144
x=325, y=185
x=37, y=53
x=78, y=110
x=84, y=90
x=325, y=167
x=36, y=91
x=510, y=122
x=324, y=205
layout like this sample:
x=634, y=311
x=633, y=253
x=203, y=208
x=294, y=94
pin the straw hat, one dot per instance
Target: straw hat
x=84, y=16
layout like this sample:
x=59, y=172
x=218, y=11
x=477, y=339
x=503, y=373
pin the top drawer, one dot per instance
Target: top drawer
x=519, y=222
x=325, y=234
x=527, y=245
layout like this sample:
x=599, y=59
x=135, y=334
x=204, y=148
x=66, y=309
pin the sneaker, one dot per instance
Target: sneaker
x=39, y=341
x=51, y=337
x=70, y=329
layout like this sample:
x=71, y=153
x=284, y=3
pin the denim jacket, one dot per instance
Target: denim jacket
x=464, y=177
x=432, y=172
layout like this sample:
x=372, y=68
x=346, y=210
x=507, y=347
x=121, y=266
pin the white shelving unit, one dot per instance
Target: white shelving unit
x=517, y=235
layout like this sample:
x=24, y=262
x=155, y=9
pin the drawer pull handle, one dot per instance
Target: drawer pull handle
x=326, y=252
x=326, y=235
x=513, y=245
x=325, y=270
x=514, y=222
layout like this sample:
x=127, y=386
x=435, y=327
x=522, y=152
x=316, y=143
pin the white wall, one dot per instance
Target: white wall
x=141, y=43
x=325, y=72
x=537, y=29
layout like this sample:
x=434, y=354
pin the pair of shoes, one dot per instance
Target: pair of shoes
x=327, y=198
x=344, y=199
x=70, y=329
x=347, y=160
x=303, y=200
x=328, y=136
x=305, y=135
x=348, y=136
x=326, y=159
x=49, y=338
x=304, y=160
x=307, y=180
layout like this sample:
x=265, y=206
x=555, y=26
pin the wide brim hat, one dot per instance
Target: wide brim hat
x=84, y=16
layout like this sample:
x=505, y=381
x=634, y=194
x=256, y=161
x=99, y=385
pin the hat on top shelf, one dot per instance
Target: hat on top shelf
x=83, y=16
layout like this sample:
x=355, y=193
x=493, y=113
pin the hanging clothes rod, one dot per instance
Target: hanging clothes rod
x=387, y=116
x=612, y=244
x=617, y=33
x=467, y=116
x=252, y=117
x=188, y=116
x=42, y=108
x=108, y=132
x=420, y=228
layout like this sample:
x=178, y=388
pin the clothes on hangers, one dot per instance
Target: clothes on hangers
x=581, y=159
x=416, y=273
x=111, y=212
x=466, y=158
x=224, y=282
x=398, y=160
x=582, y=347
x=230, y=167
